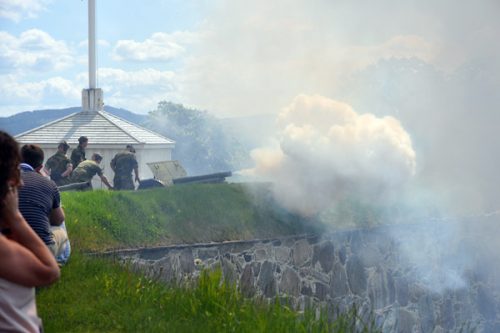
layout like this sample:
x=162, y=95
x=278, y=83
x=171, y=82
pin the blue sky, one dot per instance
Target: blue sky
x=44, y=53
x=230, y=57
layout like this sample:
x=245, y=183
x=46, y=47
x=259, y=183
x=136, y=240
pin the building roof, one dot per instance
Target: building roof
x=100, y=127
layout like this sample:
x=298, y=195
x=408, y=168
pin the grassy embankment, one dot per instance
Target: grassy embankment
x=96, y=295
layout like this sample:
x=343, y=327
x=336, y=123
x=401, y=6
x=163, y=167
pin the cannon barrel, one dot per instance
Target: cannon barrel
x=75, y=187
x=218, y=177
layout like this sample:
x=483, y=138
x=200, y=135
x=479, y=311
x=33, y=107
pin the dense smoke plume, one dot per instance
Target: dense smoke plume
x=433, y=66
x=327, y=151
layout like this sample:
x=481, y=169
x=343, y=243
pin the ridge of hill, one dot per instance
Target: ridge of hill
x=24, y=121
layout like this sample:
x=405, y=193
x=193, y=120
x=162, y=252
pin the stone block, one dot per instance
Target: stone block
x=282, y=254
x=306, y=289
x=266, y=281
x=406, y=321
x=290, y=282
x=356, y=275
x=321, y=291
x=379, y=289
x=402, y=291
x=338, y=282
x=261, y=254
x=447, y=317
x=486, y=303
x=342, y=253
x=229, y=271
x=247, y=282
x=426, y=313
x=301, y=253
x=324, y=253
x=186, y=261
x=206, y=253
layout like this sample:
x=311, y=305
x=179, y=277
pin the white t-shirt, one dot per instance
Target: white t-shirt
x=18, y=308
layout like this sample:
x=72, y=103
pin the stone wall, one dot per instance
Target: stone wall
x=362, y=267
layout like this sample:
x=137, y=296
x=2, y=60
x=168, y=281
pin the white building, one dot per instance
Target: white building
x=107, y=134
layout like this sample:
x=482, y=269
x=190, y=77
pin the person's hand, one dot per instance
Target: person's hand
x=10, y=211
x=69, y=167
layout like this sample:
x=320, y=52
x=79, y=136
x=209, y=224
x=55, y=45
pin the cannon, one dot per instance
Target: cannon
x=218, y=177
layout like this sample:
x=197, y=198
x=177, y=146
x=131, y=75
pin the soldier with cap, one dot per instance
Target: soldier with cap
x=78, y=154
x=87, y=169
x=59, y=165
x=122, y=164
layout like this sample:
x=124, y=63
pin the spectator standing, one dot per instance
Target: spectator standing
x=25, y=260
x=40, y=201
x=59, y=165
x=122, y=164
x=86, y=170
x=78, y=154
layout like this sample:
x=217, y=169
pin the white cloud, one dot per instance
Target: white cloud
x=159, y=47
x=138, y=91
x=33, y=50
x=20, y=96
x=16, y=10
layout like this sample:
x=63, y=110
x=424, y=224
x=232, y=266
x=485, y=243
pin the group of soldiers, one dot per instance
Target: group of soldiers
x=78, y=169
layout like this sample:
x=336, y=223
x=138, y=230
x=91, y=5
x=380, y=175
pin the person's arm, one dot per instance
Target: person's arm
x=56, y=216
x=26, y=260
x=136, y=171
x=105, y=181
x=69, y=169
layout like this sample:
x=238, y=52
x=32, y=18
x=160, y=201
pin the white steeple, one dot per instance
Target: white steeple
x=92, y=98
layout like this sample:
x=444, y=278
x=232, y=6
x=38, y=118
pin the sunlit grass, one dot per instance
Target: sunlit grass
x=101, y=220
x=96, y=295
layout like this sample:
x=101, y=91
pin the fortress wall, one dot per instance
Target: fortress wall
x=334, y=271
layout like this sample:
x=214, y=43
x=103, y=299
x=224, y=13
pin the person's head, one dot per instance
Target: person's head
x=97, y=157
x=63, y=146
x=130, y=148
x=9, y=165
x=33, y=155
x=83, y=141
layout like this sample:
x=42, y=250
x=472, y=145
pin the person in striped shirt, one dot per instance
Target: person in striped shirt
x=25, y=260
x=40, y=201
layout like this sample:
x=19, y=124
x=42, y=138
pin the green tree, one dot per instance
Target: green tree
x=202, y=145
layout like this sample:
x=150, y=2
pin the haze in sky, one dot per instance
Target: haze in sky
x=431, y=65
x=229, y=57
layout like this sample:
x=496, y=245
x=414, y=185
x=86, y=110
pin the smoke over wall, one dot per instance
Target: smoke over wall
x=328, y=151
x=424, y=70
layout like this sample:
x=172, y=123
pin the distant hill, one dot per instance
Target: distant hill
x=25, y=121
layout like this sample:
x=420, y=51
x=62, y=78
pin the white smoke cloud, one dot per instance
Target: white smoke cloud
x=328, y=151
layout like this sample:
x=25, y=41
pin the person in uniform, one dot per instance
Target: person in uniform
x=78, y=154
x=59, y=165
x=122, y=164
x=87, y=169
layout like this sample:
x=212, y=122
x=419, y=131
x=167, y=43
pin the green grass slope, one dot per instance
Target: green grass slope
x=102, y=220
x=99, y=295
